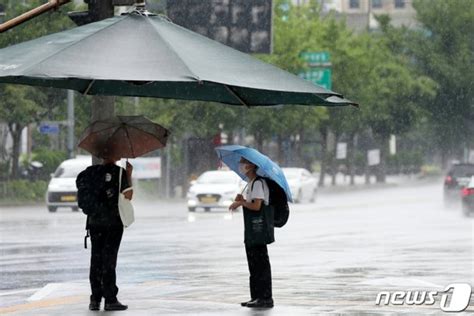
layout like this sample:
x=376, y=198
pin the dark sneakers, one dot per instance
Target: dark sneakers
x=244, y=304
x=115, y=306
x=260, y=303
x=94, y=306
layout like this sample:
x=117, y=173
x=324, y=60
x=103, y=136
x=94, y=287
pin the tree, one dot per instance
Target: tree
x=22, y=105
x=444, y=50
x=394, y=92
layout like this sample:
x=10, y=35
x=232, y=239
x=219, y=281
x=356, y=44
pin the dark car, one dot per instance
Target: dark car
x=467, y=195
x=457, y=178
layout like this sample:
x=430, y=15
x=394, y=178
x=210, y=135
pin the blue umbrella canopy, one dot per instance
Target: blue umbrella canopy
x=147, y=55
x=231, y=155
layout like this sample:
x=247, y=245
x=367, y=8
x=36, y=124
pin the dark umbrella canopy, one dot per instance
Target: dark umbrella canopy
x=149, y=56
x=124, y=137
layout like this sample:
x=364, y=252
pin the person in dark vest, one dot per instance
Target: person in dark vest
x=106, y=229
x=258, y=220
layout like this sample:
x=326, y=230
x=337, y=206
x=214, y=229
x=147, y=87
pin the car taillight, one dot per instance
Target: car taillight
x=448, y=180
x=467, y=191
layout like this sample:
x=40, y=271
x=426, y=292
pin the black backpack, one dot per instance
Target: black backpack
x=90, y=189
x=278, y=200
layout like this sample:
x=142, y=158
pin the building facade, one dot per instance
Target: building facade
x=360, y=14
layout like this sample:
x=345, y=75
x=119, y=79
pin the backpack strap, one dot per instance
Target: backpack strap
x=87, y=232
x=258, y=178
x=261, y=179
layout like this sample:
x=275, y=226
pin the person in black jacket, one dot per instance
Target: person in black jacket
x=258, y=220
x=105, y=228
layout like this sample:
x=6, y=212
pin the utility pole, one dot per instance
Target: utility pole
x=369, y=14
x=70, y=123
x=102, y=107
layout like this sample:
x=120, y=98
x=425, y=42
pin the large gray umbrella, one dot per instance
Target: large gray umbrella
x=147, y=55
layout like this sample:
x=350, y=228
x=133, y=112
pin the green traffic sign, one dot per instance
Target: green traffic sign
x=317, y=58
x=318, y=76
x=319, y=71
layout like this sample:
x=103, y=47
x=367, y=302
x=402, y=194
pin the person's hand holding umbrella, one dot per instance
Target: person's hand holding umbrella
x=235, y=205
x=129, y=169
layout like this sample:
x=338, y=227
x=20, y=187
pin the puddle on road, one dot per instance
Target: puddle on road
x=355, y=270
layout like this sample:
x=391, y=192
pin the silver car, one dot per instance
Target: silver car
x=214, y=189
x=303, y=184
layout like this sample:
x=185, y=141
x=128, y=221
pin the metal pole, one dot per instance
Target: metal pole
x=136, y=105
x=186, y=165
x=168, y=172
x=70, y=123
x=369, y=13
x=103, y=107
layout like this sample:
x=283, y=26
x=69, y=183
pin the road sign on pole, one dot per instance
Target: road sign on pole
x=45, y=128
x=317, y=58
x=341, y=151
x=318, y=76
x=319, y=68
x=373, y=157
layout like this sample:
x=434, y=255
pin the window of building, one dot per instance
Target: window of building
x=354, y=4
x=399, y=4
x=376, y=3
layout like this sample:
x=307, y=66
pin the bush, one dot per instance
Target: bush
x=430, y=171
x=4, y=170
x=404, y=162
x=50, y=160
x=23, y=191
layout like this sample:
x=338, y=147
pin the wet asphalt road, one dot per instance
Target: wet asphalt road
x=333, y=256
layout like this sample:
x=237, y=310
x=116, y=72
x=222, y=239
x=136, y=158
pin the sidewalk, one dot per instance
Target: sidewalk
x=149, y=298
x=343, y=182
x=166, y=298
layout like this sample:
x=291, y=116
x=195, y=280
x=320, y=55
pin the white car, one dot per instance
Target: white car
x=214, y=189
x=303, y=185
x=62, y=191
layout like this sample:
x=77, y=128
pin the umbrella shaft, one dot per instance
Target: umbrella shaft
x=52, y=4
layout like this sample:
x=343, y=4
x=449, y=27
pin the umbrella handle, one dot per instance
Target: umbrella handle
x=243, y=190
x=245, y=187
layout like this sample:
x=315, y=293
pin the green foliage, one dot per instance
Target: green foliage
x=431, y=171
x=4, y=169
x=47, y=23
x=22, y=191
x=405, y=162
x=19, y=104
x=444, y=50
x=23, y=105
x=404, y=80
x=49, y=158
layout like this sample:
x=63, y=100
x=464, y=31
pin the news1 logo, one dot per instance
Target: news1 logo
x=455, y=297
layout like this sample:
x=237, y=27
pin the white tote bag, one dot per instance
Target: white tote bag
x=127, y=213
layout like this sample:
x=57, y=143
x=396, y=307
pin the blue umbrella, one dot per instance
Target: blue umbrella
x=231, y=155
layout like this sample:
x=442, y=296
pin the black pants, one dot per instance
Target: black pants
x=260, y=272
x=105, y=247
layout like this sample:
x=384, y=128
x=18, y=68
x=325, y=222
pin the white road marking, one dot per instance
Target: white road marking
x=18, y=292
x=45, y=291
